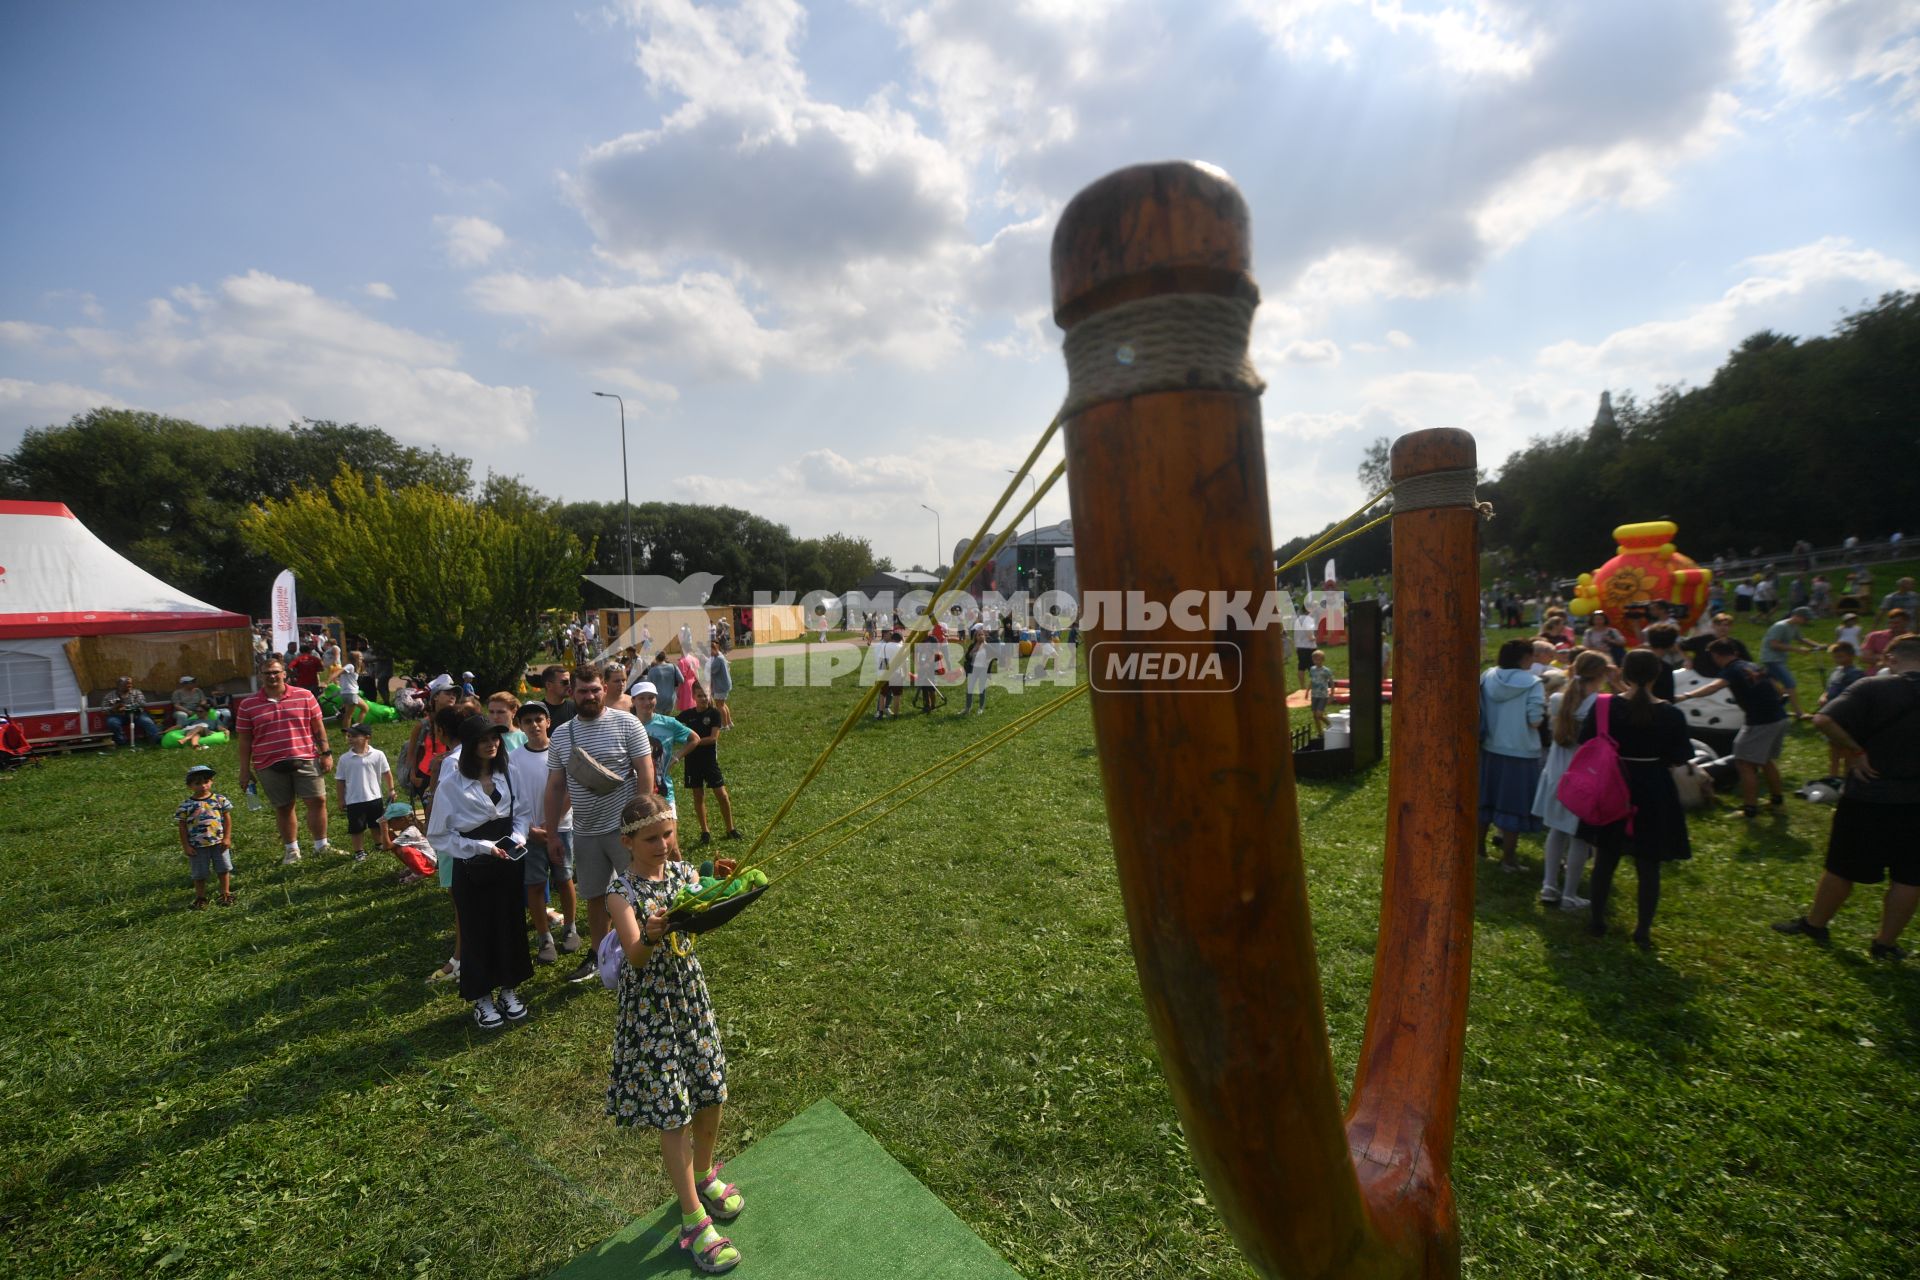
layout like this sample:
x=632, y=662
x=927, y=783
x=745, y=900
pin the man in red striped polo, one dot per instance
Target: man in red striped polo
x=282, y=738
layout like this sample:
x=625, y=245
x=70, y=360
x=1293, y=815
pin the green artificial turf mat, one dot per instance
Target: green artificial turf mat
x=824, y=1202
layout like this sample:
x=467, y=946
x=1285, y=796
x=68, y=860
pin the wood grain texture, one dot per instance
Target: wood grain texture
x=1169, y=495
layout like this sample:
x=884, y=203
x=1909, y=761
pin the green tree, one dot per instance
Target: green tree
x=1376, y=466
x=169, y=494
x=427, y=575
x=834, y=563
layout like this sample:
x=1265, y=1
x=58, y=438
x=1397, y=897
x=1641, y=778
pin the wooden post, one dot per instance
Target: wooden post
x=1407, y=1087
x=1169, y=496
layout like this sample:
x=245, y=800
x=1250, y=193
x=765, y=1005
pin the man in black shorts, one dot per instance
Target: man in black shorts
x=1876, y=825
x=703, y=763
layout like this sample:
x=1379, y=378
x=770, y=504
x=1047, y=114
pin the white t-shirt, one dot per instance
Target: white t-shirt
x=528, y=769
x=365, y=775
x=1850, y=635
x=883, y=653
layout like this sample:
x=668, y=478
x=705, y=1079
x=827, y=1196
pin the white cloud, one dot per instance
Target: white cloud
x=1319, y=351
x=697, y=325
x=1398, y=340
x=469, y=241
x=379, y=289
x=259, y=348
x=1669, y=350
x=29, y=404
x=1817, y=48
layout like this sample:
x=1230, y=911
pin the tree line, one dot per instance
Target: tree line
x=1790, y=439
x=175, y=497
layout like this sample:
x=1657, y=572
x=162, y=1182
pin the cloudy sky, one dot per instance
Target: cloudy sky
x=808, y=242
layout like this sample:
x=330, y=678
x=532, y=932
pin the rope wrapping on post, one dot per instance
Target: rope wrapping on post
x=1439, y=489
x=1169, y=342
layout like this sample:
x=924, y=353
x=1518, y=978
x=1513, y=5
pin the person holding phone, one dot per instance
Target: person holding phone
x=481, y=823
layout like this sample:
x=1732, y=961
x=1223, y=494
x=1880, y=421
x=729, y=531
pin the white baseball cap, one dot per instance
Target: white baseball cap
x=646, y=686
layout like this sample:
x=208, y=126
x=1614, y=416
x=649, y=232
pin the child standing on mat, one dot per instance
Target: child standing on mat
x=206, y=835
x=669, y=1070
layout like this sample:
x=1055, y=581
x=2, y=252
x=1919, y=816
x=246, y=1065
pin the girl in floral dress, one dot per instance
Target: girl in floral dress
x=669, y=1071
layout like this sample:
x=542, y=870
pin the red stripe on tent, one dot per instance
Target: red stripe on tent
x=15, y=508
x=21, y=626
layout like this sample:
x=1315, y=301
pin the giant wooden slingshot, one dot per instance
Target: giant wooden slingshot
x=1168, y=480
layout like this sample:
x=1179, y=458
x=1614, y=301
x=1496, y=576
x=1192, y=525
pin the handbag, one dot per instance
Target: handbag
x=1593, y=788
x=589, y=772
x=608, y=956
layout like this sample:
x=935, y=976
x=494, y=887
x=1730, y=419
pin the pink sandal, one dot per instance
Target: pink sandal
x=717, y=1205
x=705, y=1258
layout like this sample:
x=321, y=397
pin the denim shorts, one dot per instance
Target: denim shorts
x=537, y=867
x=209, y=859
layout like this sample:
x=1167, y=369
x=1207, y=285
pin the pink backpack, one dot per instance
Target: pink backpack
x=1593, y=788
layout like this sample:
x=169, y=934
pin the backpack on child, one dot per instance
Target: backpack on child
x=1594, y=788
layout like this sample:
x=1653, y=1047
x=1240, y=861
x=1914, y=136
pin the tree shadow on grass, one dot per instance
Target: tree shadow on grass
x=290, y=1090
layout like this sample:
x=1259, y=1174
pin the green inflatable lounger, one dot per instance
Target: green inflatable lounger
x=178, y=738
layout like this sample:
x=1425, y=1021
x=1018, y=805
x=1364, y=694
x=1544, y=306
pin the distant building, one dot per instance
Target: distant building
x=1035, y=561
x=881, y=592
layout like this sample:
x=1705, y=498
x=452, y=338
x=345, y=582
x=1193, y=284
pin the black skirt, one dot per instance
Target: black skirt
x=491, y=900
x=1659, y=822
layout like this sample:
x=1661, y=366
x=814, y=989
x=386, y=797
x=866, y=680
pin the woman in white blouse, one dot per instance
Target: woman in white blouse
x=482, y=825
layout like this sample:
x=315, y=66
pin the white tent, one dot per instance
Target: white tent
x=74, y=614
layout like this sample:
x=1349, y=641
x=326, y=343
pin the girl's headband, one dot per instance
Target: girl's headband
x=628, y=828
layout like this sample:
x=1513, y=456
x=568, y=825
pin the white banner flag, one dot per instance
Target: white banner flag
x=285, y=612
x=1328, y=575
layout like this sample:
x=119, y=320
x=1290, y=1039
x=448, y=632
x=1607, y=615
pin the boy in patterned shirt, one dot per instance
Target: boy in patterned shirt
x=1319, y=688
x=206, y=835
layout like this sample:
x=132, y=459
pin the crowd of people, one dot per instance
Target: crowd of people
x=524, y=810
x=1551, y=693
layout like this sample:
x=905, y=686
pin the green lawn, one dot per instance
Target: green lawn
x=271, y=1091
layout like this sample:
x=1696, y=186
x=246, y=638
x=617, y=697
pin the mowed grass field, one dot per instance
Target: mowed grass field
x=271, y=1090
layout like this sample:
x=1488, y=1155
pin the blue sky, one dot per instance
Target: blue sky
x=808, y=243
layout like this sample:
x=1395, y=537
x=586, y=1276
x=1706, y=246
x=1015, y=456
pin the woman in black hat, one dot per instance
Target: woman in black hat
x=478, y=821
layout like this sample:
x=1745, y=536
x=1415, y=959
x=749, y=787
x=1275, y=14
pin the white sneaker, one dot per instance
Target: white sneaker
x=360, y=856
x=1549, y=896
x=1569, y=902
x=290, y=857
x=512, y=1005
x=485, y=1016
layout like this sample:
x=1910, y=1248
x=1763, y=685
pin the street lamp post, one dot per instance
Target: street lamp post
x=938, y=541
x=626, y=499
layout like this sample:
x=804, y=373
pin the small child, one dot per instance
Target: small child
x=1320, y=683
x=669, y=1069
x=206, y=835
x=364, y=777
x=1838, y=681
x=405, y=841
x=1849, y=632
x=352, y=706
x=703, y=762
